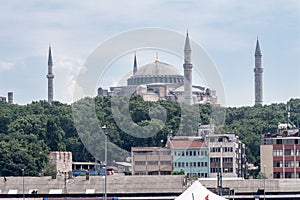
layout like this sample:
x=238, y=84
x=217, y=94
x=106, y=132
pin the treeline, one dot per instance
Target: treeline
x=29, y=132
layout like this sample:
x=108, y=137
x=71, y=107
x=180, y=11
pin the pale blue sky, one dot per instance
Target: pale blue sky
x=227, y=30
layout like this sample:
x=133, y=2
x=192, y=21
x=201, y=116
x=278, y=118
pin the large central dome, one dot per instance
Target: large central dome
x=157, y=69
x=157, y=72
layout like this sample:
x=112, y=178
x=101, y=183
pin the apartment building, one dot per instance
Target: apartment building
x=191, y=155
x=151, y=161
x=280, y=153
x=226, y=152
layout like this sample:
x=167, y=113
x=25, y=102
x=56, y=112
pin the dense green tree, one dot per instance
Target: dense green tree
x=29, y=132
x=19, y=151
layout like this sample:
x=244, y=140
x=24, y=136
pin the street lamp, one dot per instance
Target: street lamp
x=65, y=178
x=264, y=182
x=23, y=184
x=104, y=128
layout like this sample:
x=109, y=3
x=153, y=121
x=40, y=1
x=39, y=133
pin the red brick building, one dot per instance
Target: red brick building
x=280, y=153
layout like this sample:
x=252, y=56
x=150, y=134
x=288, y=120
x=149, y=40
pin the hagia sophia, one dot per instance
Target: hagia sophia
x=161, y=81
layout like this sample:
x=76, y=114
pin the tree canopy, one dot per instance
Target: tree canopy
x=29, y=132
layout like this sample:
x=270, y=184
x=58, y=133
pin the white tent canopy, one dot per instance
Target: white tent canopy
x=198, y=192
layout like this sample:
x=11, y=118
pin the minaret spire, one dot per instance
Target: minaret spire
x=50, y=76
x=187, y=50
x=257, y=49
x=188, y=69
x=258, y=73
x=134, y=64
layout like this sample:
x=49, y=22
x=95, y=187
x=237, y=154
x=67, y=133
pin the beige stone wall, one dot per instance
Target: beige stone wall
x=62, y=160
x=266, y=160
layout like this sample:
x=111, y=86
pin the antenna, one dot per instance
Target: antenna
x=288, y=114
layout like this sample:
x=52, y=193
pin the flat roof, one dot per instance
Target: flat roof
x=149, y=149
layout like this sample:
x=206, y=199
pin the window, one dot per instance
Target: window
x=182, y=164
x=140, y=173
x=289, y=175
x=194, y=153
x=277, y=152
x=289, y=163
x=227, y=160
x=198, y=164
x=215, y=160
x=297, y=152
x=288, y=152
x=195, y=164
x=182, y=153
x=165, y=153
x=277, y=163
x=279, y=141
x=140, y=163
x=227, y=170
x=152, y=162
x=290, y=141
x=277, y=175
x=214, y=170
x=215, y=149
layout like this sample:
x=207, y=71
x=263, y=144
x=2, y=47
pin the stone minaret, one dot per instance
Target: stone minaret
x=188, y=99
x=50, y=77
x=258, y=72
x=134, y=64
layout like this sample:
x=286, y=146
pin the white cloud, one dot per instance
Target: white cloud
x=65, y=70
x=4, y=66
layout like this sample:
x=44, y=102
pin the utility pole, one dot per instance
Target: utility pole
x=23, y=184
x=264, y=182
x=104, y=128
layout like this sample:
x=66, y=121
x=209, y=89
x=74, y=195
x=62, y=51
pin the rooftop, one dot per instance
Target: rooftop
x=187, y=144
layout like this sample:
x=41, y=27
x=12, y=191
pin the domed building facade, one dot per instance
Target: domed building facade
x=161, y=81
x=157, y=72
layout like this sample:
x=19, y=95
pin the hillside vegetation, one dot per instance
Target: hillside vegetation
x=29, y=132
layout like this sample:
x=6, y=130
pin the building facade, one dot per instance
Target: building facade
x=280, y=153
x=227, y=152
x=9, y=99
x=191, y=155
x=151, y=161
x=3, y=99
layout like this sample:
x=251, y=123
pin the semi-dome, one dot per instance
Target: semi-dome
x=157, y=72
